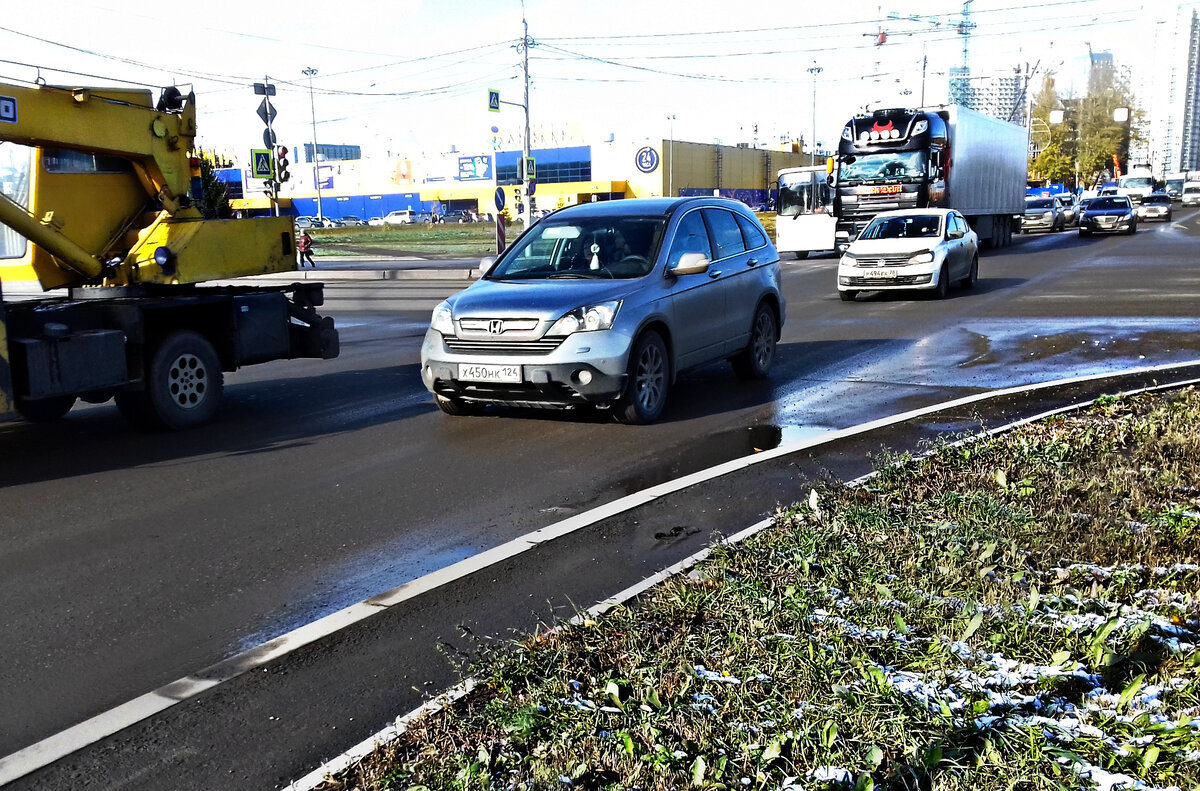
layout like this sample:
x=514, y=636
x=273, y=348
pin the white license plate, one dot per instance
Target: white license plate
x=489, y=373
x=880, y=274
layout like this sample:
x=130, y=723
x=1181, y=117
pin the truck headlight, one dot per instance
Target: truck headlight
x=588, y=318
x=443, y=319
x=925, y=257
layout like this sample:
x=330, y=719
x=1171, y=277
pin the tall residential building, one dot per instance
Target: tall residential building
x=1189, y=154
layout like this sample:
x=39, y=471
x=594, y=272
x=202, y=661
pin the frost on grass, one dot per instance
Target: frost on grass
x=1009, y=612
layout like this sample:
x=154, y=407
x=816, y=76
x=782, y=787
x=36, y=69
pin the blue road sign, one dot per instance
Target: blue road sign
x=8, y=109
x=494, y=100
x=261, y=166
x=499, y=199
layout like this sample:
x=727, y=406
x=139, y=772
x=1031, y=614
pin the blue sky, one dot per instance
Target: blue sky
x=411, y=76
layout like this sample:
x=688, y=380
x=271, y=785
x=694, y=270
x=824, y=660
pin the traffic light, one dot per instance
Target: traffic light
x=281, y=164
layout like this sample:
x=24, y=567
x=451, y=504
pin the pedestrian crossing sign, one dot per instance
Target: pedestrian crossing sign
x=262, y=163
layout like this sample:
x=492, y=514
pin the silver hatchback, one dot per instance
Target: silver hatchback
x=602, y=304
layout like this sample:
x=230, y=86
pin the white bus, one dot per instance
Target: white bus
x=804, y=221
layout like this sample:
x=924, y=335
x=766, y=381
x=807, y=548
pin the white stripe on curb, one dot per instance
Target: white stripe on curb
x=90, y=731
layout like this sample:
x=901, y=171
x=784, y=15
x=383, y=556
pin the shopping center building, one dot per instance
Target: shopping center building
x=563, y=176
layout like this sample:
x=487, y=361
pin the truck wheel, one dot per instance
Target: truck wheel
x=649, y=375
x=801, y=255
x=45, y=410
x=754, y=362
x=183, y=385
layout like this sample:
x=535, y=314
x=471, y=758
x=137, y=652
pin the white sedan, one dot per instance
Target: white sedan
x=925, y=249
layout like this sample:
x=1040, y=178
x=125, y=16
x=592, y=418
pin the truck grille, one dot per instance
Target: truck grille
x=528, y=348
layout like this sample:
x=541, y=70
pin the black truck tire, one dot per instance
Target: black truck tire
x=183, y=385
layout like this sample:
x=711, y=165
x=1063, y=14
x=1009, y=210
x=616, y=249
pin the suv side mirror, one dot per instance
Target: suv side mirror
x=690, y=264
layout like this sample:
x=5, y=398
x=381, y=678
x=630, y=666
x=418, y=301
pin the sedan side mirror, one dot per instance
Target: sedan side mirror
x=690, y=264
x=954, y=235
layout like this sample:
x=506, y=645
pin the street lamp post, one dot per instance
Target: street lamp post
x=310, y=73
x=814, y=70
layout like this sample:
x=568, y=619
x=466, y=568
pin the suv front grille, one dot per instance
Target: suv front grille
x=528, y=348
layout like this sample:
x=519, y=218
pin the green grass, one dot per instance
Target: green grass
x=1011, y=613
x=446, y=240
x=1002, y=613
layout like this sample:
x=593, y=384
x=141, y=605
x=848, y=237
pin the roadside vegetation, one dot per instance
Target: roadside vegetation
x=1009, y=612
x=421, y=240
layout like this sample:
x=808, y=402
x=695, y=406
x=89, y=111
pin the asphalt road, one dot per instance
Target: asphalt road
x=130, y=560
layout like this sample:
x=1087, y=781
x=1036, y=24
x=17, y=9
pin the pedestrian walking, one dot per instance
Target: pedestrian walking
x=304, y=247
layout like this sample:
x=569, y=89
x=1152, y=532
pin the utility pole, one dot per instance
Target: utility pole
x=814, y=70
x=526, y=215
x=310, y=73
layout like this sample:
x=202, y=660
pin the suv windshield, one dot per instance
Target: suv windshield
x=601, y=247
x=916, y=227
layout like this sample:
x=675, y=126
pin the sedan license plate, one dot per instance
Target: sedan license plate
x=489, y=373
x=880, y=274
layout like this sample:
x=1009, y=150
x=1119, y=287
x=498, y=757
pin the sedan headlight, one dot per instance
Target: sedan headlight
x=925, y=257
x=1048, y=215
x=443, y=319
x=1128, y=216
x=588, y=318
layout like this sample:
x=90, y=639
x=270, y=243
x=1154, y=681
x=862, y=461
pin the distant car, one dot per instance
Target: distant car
x=375, y=222
x=458, y=215
x=1155, y=206
x=306, y=222
x=1191, y=194
x=1042, y=214
x=1108, y=214
x=602, y=304
x=400, y=217
x=925, y=249
x=351, y=220
x=329, y=222
x=1066, y=206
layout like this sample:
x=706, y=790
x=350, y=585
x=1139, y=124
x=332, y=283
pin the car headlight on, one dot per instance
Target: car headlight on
x=588, y=318
x=925, y=257
x=443, y=319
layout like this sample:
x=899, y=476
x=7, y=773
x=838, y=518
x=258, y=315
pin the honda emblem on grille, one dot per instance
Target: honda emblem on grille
x=496, y=326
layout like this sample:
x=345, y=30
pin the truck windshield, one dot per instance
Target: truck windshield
x=898, y=166
x=1136, y=182
x=14, y=184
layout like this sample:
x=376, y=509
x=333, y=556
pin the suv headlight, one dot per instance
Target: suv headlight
x=588, y=318
x=925, y=257
x=443, y=319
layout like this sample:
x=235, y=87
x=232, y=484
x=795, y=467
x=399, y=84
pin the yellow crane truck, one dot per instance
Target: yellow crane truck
x=97, y=198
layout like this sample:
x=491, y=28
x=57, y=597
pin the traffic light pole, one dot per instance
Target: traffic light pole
x=527, y=214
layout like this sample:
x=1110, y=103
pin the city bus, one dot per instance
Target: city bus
x=804, y=221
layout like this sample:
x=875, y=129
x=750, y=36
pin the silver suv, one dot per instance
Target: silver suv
x=602, y=304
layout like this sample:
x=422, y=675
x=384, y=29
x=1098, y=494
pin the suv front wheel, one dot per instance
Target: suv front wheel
x=649, y=376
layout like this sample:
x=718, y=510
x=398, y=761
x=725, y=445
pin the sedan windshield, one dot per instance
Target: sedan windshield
x=1039, y=204
x=602, y=247
x=1102, y=204
x=920, y=226
x=1161, y=200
